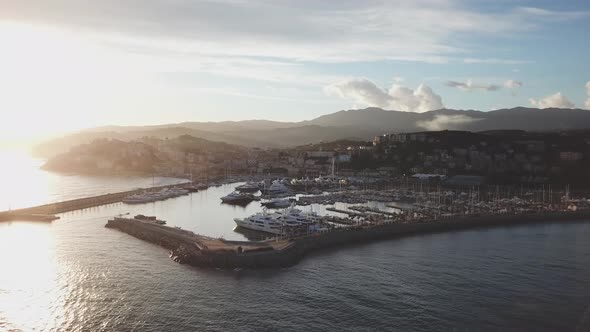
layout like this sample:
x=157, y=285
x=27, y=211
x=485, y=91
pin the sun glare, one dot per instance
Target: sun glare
x=30, y=292
x=54, y=81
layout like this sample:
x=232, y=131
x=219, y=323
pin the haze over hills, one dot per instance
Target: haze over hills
x=361, y=124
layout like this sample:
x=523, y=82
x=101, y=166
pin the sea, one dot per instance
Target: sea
x=76, y=275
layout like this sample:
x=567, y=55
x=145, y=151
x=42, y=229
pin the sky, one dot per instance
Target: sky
x=72, y=64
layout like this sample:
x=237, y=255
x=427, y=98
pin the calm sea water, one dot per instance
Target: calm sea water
x=76, y=275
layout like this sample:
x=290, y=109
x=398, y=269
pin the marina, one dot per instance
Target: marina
x=336, y=211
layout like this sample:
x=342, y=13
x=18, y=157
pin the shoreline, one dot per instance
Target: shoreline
x=189, y=248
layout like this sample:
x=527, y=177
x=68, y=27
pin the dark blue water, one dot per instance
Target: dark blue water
x=75, y=275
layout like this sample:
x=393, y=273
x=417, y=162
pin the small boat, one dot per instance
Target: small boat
x=193, y=188
x=153, y=219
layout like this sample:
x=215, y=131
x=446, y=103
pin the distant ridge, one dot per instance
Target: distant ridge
x=359, y=124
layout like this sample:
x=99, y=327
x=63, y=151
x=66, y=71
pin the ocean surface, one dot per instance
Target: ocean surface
x=76, y=275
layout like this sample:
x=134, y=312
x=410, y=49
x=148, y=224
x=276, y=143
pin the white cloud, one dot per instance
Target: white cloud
x=470, y=86
x=495, y=61
x=422, y=30
x=441, y=122
x=556, y=100
x=398, y=97
x=513, y=86
x=398, y=79
x=588, y=93
x=535, y=13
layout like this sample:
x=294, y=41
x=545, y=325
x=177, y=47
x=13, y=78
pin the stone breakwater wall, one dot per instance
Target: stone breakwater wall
x=189, y=248
x=392, y=230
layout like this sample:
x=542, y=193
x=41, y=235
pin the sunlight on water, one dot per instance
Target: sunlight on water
x=31, y=295
x=22, y=182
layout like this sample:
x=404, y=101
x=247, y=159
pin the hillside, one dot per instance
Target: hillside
x=359, y=124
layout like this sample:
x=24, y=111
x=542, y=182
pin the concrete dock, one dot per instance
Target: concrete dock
x=189, y=248
x=46, y=212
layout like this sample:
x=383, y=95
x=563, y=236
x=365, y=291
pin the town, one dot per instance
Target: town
x=504, y=157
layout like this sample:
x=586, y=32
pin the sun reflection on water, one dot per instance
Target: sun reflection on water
x=31, y=294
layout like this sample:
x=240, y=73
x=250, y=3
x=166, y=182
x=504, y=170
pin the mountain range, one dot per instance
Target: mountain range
x=360, y=124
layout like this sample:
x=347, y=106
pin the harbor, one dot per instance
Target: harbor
x=200, y=228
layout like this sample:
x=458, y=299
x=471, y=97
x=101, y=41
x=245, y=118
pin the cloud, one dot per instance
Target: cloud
x=490, y=61
x=556, y=100
x=513, y=86
x=398, y=97
x=535, y=13
x=345, y=31
x=470, y=86
x=588, y=93
x=441, y=122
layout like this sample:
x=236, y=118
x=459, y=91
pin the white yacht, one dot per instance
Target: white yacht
x=277, y=222
x=261, y=222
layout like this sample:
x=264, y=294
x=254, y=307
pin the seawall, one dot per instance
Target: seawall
x=392, y=230
x=189, y=248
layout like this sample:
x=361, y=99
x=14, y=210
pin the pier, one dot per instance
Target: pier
x=47, y=212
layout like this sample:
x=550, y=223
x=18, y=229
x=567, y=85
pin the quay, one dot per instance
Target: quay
x=189, y=248
x=47, y=212
x=349, y=213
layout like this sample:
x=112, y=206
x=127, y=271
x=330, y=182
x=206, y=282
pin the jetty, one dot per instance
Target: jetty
x=189, y=248
x=47, y=212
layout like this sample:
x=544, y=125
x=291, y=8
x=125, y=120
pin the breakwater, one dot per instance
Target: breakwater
x=48, y=210
x=189, y=248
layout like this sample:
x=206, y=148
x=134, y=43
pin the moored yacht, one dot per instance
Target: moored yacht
x=237, y=198
x=250, y=187
x=278, y=222
x=262, y=222
x=277, y=203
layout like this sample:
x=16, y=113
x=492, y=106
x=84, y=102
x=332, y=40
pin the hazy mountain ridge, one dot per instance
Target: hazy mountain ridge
x=361, y=124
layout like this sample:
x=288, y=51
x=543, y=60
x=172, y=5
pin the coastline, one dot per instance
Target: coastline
x=188, y=248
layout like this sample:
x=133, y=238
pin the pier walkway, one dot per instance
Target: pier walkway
x=47, y=211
